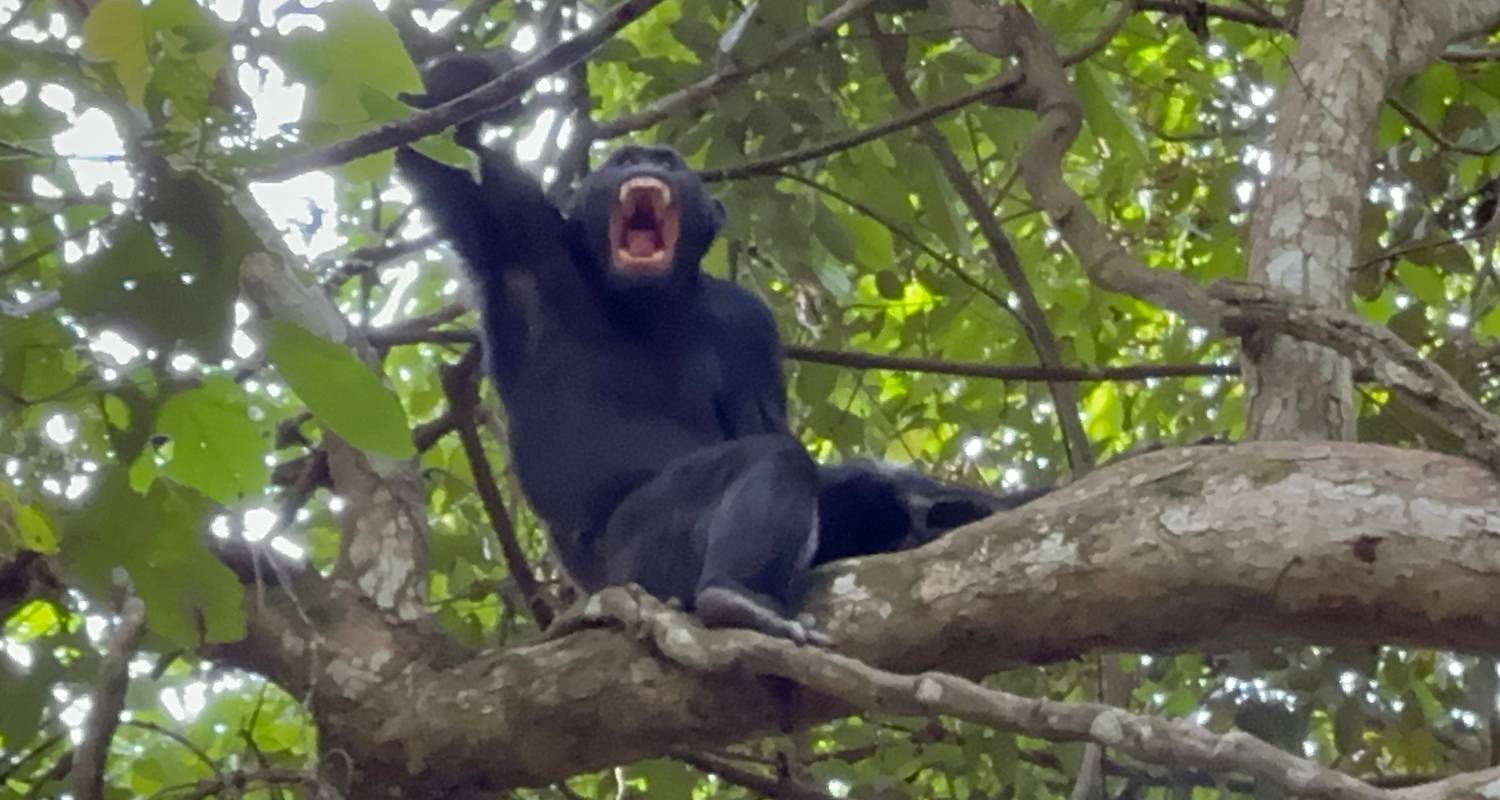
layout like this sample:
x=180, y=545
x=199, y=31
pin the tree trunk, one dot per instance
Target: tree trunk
x=1306, y=227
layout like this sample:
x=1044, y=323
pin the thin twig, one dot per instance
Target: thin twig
x=461, y=384
x=1410, y=115
x=1033, y=318
x=92, y=754
x=1008, y=372
x=693, y=93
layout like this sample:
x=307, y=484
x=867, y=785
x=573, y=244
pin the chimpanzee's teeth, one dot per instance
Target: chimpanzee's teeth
x=659, y=192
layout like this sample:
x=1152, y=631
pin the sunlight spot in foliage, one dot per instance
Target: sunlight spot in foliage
x=60, y=428
x=184, y=362
x=434, y=20
x=242, y=345
x=529, y=147
x=259, y=522
x=115, y=346
x=974, y=447
x=58, y=98
x=227, y=10
x=73, y=716
x=524, y=40
x=96, y=153
x=302, y=207
x=18, y=653
x=400, y=281
x=277, y=100
x=288, y=548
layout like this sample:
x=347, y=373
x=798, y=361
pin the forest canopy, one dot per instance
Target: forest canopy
x=1223, y=273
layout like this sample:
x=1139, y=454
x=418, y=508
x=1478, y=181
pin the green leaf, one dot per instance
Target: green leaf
x=833, y=278
x=1349, y=727
x=116, y=413
x=832, y=235
x=1424, y=283
x=889, y=285
x=26, y=694
x=1180, y=702
x=926, y=179
x=359, y=53
x=1108, y=113
x=1489, y=324
x=191, y=597
x=36, y=531
x=667, y=779
x=216, y=448
x=362, y=41
x=340, y=390
x=1103, y=411
x=115, y=32
x=874, y=247
x=34, y=359
x=173, y=289
x=143, y=471
x=1432, y=90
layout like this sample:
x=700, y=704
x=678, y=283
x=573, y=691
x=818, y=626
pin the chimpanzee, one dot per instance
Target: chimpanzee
x=867, y=507
x=647, y=408
x=647, y=413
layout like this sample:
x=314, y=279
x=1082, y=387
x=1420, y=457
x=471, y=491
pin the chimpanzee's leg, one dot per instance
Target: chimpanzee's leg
x=729, y=530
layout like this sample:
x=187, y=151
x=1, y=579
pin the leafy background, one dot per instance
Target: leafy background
x=142, y=406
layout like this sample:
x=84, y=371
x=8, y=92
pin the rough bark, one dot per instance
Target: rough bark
x=1423, y=30
x=385, y=533
x=1306, y=221
x=1201, y=548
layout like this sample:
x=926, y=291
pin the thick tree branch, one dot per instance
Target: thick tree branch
x=1244, y=16
x=385, y=531
x=1009, y=30
x=1256, y=544
x=1424, y=30
x=1375, y=348
x=1162, y=741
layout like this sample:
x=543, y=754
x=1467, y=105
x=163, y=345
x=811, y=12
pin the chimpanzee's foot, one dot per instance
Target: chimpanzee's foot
x=721, y=607
x=611, y=607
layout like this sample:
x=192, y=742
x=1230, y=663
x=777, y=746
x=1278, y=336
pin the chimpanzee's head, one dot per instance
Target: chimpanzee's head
x=644, y=219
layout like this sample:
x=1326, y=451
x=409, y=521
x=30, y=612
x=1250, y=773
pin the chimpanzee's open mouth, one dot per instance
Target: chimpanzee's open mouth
x=643, y=227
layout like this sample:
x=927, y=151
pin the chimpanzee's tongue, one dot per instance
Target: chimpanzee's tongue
x=641, y=243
